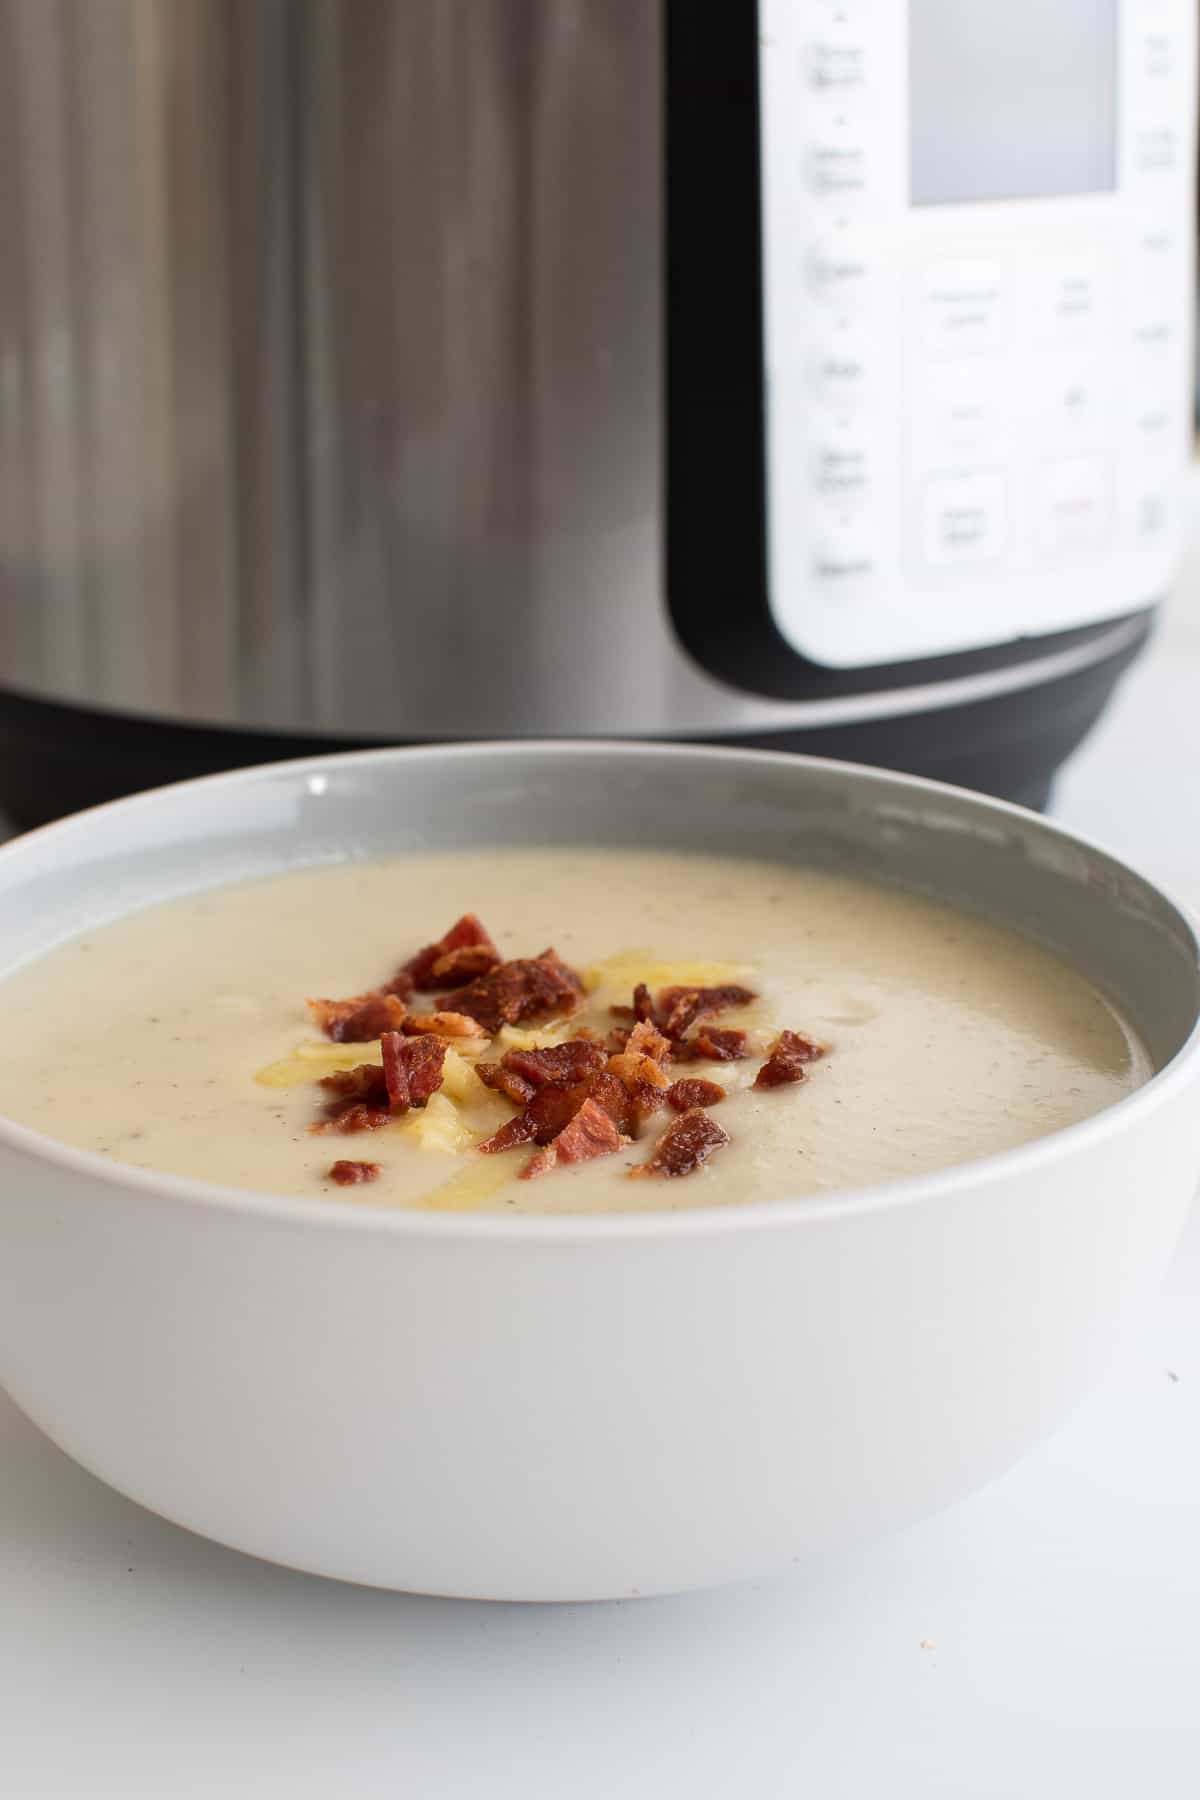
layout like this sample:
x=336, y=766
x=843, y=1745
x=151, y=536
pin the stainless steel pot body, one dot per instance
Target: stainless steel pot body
x=331, y=362
x=332, y=374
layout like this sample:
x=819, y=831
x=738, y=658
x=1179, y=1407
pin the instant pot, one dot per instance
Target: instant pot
x=815, y=375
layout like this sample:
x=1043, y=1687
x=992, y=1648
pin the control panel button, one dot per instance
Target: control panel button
x=839, y=371
x=836, y=63
x=1154, y=333
x=839, y=274
x=960, y=406
x=1155, y=149
x=964, y=306
x=1155, y=241
x=1074, y=503
x=839, y=471
x=1073, y=403
x=836, y=169
x=966, y=421
x=1149, y=273
x=843, y=553
x=963, y=517
x=1070, y=297
x=1156, y=423
x=1156, y=55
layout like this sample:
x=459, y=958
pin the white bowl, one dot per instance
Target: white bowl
x=548, y=1409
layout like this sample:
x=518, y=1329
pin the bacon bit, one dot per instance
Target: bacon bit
x=549, y=1111
x=558, y=1064
x=648, y=1040
x=360, y=1102
x=617, y=1039
x=683, y=1095
x=631, y=1068
x=365, y=1082
x=786, y=1060
x=513, y=1087
x=679, y=1008
x=528, y=988
x=711, y=1044
x=442, y=1024
x=553, y=1108
x=641, y=1012
x=469, y=932
x=610, y=1093
x=356, y=1115
x=463, y=964
x=592, y=1132
x=412, y=1068
x=643, y=1005
x=684, y=1145
x=401, y=984
x=359, y=1019
x=509, y=1137
x=347, y=1174
x=680, y=1012
x=645, y=1099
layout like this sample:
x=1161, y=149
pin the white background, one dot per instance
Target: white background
x=1062, y=1604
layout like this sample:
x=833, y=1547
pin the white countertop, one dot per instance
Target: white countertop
x=1039, y=1641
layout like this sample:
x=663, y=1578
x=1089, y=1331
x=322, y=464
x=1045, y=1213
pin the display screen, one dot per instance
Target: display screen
x=1012, y=99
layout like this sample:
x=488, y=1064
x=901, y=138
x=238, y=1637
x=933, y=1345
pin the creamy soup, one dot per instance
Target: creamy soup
x=178, y=1039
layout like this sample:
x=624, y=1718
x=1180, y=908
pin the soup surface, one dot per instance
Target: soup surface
x=178, y=1039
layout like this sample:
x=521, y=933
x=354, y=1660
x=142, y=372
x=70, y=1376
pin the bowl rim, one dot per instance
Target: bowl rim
x=325, y=1214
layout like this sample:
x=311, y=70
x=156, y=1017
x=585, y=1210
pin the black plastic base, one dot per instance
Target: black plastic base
x=55, y=759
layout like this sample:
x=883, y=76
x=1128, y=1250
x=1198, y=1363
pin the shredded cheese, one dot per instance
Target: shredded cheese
x=623, y=971
x=471, y=1187
x=438, y=1125
x=543, y=1037
x=308, y=1062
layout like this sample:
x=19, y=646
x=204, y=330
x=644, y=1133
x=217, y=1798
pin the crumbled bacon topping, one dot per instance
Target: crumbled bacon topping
x=648, y=1040
x=462, y=953
x=686, y=1143
x=513, y=1087
x=359, y=1019
x=552, y=1108
x=412, y=1069
x=365, y=1082
x=577, y=1099
x=679, y=1008
x=556, y=1083
x=347, y=1173
x=511, y=1135
x=645, y=1099
x=557, y=1064
x=359, y=1102
x=683, y=1095
x=549, y=1109
x=676, y=1009
x=358, y=1115
x=464, y=964
x=442, y=1024
x=788, y=1057
x=528, y=988
x=590, y=1133
x=618, y=1101
x=711, y=1044
x=643, y=1004
x=631, y=1067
